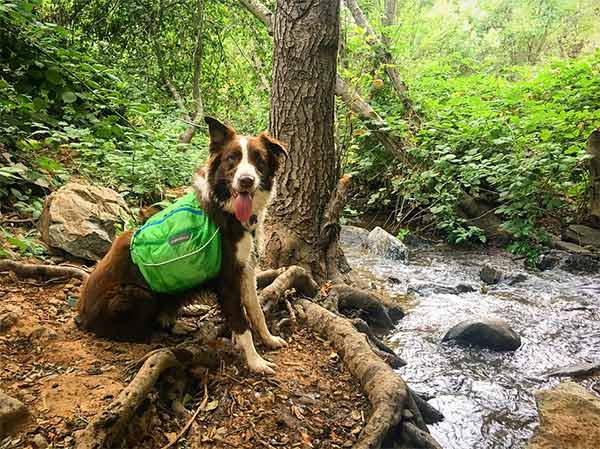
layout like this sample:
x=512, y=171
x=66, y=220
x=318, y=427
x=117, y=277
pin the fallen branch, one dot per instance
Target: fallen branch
x=104, y=429
x=387, y=392
x=40, y=271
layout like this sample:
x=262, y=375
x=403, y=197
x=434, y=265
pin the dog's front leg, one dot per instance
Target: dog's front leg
x=231, y=304
x=255, y=311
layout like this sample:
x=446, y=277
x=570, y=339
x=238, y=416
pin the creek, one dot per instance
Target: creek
x=487, y=397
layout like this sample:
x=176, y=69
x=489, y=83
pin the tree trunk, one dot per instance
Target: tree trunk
x=198, y=115
x=593, y=148
x=302, y=115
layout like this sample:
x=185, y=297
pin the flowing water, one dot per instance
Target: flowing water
x=487, y=397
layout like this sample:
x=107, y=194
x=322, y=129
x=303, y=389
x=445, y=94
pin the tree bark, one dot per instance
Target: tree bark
x=593, y=148
x=353, y=100
x=302, y=115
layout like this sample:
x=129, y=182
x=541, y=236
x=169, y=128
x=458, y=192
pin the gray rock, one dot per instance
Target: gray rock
x=548, y=261
x=13, y=413
x=82, y=219
x=569, y=418
x=579, y=263
x=490, y=275
x=492, y=334
x=582, y=369
x=381, y=243
x=557, y=243
x=428, y=289
x=517, y=278
x=353, y=235
x=583, y=235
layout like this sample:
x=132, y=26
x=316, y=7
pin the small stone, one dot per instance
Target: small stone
x=13, y=413
x=43, y=333
x=491, y=334
x=39, y=442
x=517, y=278
x=547, y=261
x=490, y=275
x=8, y=320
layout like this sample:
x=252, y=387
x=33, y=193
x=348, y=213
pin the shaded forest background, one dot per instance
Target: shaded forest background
x=500, y=98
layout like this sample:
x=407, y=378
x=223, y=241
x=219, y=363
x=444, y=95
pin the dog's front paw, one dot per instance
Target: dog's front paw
x=274, y=342
x=259, y=365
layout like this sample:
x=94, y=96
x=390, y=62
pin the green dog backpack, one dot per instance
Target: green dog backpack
x=179, y=248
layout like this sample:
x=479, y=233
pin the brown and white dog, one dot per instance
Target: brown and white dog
x=234, y=189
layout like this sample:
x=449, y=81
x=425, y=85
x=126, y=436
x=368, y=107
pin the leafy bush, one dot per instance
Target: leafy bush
x=517, y=140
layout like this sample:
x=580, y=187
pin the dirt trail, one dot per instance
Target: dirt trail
x=65, y=377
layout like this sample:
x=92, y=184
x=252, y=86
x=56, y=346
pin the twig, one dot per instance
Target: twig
x=191, y=420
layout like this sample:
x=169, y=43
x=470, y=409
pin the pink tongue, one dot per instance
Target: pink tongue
x=243, y=207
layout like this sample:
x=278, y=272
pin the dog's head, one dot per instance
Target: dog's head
x=240, y=171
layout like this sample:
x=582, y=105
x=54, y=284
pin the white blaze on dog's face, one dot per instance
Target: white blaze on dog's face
x=240, y=172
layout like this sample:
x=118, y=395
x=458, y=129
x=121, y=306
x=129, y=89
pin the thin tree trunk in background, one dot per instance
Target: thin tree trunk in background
x=302, y=115
x=385, y=56
x=593, y=149
x=389, y=18
x=198, y=114
x=353, y=100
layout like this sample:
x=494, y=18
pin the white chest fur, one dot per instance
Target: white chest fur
x=243, y=248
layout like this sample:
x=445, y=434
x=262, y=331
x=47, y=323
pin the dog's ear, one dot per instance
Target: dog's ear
x=274, y=146
x=219, y=133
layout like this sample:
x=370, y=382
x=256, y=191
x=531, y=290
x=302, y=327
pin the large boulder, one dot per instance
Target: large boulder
x=491, y=334
x=583, y=235
x=13, y=413
x=82, y=220
x=569, y=418
x=381, y=243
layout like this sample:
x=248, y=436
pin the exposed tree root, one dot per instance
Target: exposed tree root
x=372, y=309
x=42, y=271
x=387, y=392
x=415, y=437
x=292, y=277
x=104, y=429
x=378, y=346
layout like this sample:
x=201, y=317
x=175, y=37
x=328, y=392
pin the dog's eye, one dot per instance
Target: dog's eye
x=232, y=157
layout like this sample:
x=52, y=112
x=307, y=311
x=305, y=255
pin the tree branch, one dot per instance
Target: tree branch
x=354, y=101
x=385, y=56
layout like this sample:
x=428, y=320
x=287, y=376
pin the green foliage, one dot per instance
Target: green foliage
x=517, y=139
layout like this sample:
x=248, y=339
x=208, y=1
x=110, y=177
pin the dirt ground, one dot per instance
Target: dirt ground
x=65, y=377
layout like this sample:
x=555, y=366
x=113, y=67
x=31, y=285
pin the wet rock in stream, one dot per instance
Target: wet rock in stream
x=490, y=275
x=582, y=369
x=491, y=334
x=428, y=289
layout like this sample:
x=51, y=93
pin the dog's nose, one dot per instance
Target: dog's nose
x=246, y=182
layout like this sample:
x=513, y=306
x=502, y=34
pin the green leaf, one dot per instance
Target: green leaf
x=69, y=97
